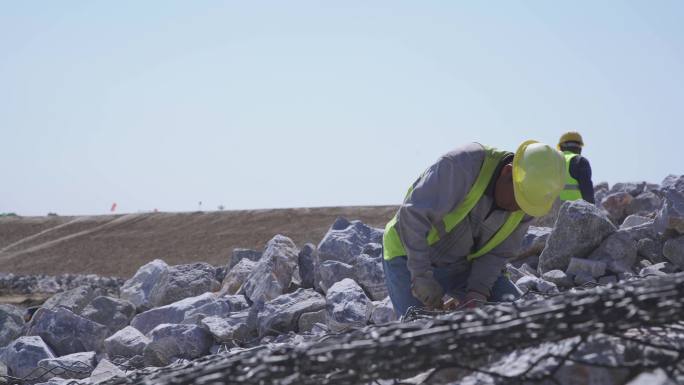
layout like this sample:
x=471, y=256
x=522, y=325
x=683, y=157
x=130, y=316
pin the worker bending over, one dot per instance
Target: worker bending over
x=462, y=218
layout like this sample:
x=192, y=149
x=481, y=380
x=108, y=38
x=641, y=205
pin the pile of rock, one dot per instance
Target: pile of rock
x=637, y=229
x=164, y=313
x=46, y=284
x=285, y=294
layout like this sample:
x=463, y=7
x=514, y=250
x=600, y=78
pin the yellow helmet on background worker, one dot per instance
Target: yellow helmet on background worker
x=570, y=136
x=538, y=177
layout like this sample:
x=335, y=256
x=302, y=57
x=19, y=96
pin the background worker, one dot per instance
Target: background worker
x=578, y=184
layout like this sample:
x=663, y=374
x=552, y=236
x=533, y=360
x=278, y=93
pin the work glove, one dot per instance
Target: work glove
x=474, y=299
x=427, y=290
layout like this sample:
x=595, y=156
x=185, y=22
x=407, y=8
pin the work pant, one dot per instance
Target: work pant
x=452, y=279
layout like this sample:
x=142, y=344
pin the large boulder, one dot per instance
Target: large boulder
x=584, y=279
x=23, y=354
x=272, y=275
x=633, y=188
x=75, y=299
x=237, y=302
x=242, y=254
x=618, y=251
x=221, y=307
x=76, y=365
x=617, y=204
x=307, y=321
x=374, y=250
x=184, y=281
x=644, y=203
x=330, y=272
x=673, y=250
x=586, y=267
x=238, y=327
x=368, y=272
x=308, y=263
x=189, y=311
x=383, y=312
x=534, y=241
x=237, y=276
x=671, y=215
x=634, y=220
x=170, y=342
x=113, y=313
x=140, y=289
x=105, y=371
x=651, y=249
x=11, y=323
x=345, y=240
x=580, y=228
x=347, y=306
x=649, y=242
x=642, y=231
x=127, y=342
x=295, y=282
x=172, y=313
x=671, y=182
x=110, y=285
x=67, y=332
x=281, y=315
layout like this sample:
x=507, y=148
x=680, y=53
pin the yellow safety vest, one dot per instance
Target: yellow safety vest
x=393, y=247
x=571, y=192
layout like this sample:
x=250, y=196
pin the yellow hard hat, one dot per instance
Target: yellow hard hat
x=538, y=177
x=571, y=136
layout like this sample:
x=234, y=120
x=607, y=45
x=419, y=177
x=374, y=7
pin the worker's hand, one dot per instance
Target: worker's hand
x=427, y=290
x=450, y=303
x=474, y=299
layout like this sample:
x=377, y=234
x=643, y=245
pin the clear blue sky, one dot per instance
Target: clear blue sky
x=250, y=104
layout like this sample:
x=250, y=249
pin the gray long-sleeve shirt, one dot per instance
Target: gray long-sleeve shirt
x=436, y=193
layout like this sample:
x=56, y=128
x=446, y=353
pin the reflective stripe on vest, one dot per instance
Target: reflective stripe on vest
x=393, y=247
x=571, y=192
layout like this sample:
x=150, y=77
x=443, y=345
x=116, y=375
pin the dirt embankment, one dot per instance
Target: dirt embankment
x=118, y=244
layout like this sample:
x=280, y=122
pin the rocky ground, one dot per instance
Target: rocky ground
x=583, y=262
x=117, y=245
